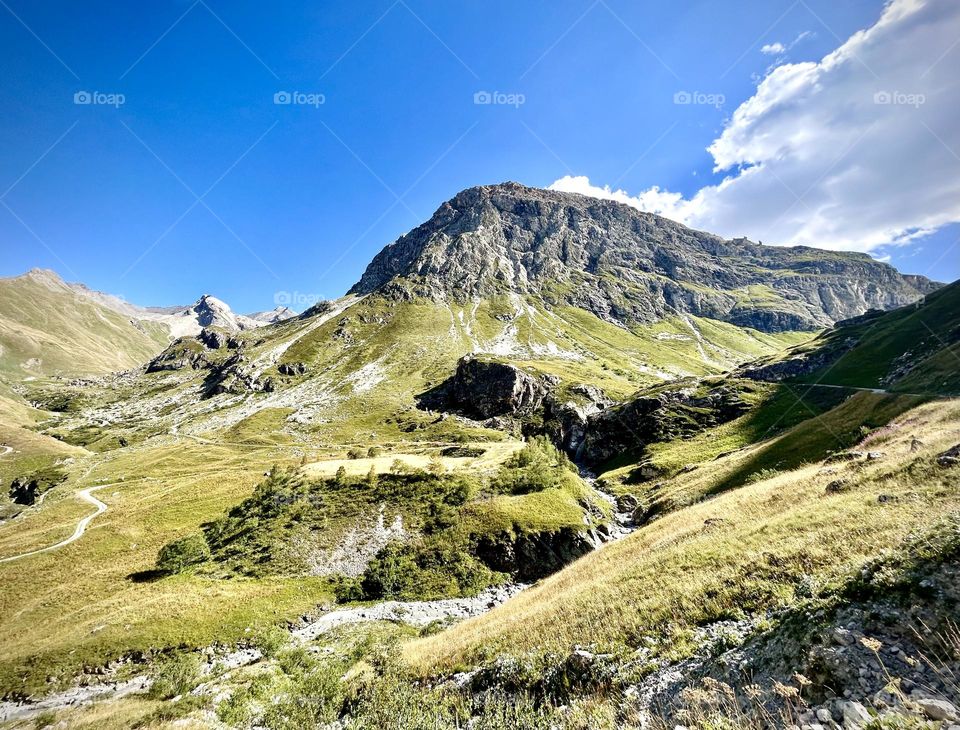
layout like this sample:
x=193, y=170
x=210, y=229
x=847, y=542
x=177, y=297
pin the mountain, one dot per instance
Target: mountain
x=207, y=311
x=272, y=316
x=700, y=470
x=626, y=266
x=48, y=327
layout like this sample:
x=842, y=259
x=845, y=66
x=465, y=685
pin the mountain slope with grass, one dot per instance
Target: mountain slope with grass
x=47, y=328
x=913, y=349
x=635, y=432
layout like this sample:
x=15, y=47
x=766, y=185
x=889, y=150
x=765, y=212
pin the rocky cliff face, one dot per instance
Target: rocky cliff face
x=626, y=266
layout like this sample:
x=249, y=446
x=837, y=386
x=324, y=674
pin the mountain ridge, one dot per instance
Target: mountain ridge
x=626, y=266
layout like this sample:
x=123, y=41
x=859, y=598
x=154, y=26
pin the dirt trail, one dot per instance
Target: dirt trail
x=87, y=496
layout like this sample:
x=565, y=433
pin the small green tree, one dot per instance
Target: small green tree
x=372, y=476
x=341, y=476
x=177, y=556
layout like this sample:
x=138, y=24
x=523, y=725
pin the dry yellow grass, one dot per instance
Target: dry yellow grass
x=89, y=601
x=495, y=454
x=682, y=570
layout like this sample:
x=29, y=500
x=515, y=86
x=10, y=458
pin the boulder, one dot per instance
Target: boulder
x=854, y=714
x=627, y=503
x=486, y=389
x=292, y=369
x=950, y=457
x=938, y=709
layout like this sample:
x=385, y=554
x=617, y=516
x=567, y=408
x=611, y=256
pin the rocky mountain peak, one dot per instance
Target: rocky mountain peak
x=624, y=265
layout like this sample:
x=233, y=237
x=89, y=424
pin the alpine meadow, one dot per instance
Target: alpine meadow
x=560, y=455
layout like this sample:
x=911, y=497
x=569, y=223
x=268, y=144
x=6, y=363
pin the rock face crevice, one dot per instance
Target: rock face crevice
x=625, y=266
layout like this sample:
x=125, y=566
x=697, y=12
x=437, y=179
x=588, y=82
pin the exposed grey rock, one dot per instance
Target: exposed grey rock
x=212, y=339
x=623, y=265
x=486, y=389
x=656, y=415
x=950, y=457
x=292, y=368
x=854, y=714
x=938, y=709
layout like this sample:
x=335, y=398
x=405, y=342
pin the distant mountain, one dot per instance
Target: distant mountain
x=50, y=327
x=272, y=316
x=207, y=311
x=626, y=266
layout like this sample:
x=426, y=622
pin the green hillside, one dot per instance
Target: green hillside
x=47, y=329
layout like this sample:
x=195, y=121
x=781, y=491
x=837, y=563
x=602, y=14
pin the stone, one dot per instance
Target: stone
x=292, y=368
x=854, y=714
x=950, y=457
x=836, y=486
x=938, y=709
x=875, y=455
x=824, y=715
x=212, y=339
x=627, y=503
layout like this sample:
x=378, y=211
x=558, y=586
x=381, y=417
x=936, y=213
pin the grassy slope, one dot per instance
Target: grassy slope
x=679, y=572
x=67, y=333
x=81, y=604
x=926, y=334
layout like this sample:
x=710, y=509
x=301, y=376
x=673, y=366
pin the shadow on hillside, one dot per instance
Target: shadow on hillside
x=820, y=433
x=146, y=576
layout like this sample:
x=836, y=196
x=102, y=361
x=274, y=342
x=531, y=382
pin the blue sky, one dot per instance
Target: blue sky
x=199, y=182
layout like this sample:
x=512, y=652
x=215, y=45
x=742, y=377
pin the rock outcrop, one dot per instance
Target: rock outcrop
x=624, y=265
x=485, y=389
x=658, y=415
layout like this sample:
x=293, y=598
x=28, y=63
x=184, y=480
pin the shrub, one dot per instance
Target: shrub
x=434, y=568
x=174, y=676
x=314, y=700
x=177, y=556
x=271, y=641
x=355, y=454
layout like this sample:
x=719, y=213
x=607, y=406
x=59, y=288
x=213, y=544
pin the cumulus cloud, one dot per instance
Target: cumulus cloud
x=773, y=49
x=852, y=152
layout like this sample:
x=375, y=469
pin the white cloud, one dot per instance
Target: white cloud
x=857, y=150
x=773, y=49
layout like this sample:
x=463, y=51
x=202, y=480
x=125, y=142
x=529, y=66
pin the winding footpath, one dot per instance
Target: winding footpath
x=87, y=496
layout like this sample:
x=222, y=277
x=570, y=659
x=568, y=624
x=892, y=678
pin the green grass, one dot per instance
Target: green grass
x=928, y=331
x=67, y=333
x=740, y=553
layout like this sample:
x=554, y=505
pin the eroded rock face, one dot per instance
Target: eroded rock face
x=485, y=389
x=672, y=413
x=623, y=265
x=212, y=339
x=177, y=357
x=536, y=555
